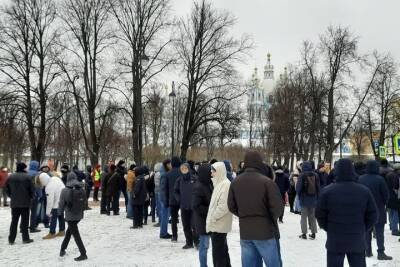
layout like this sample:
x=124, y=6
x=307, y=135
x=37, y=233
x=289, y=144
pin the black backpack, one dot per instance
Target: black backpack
x=78, y=200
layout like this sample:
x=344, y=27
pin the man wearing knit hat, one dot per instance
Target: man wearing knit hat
x=20, y=189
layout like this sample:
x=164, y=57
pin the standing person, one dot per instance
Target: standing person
x=377, y=185
x=139, y=197
x=130, y=183
x=202, y=191
x=346, y=210
x=104, y=177
x=257, y=201
x=183, y=194
x=157, y=178
x=240, y=168
x=308, y=189
x=121, y=169
x=96, y=178
x=88, y=184
x=219, y=218
x=20, y=189
x=150, y=187
x=33, y=172
x=164, y=211
x=112, y=193
x=323, y=176
x=64, y=172
x=53, y=187
x=72, y=201
x=3, y=181
x=171, y=177
x=392, y=181
x=229, y=171
x=292, y=190
x=42, y=216
x=283, y=183
x=105, y=191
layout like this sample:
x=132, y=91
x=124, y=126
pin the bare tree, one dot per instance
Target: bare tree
x=142, y=26
x=207, y=53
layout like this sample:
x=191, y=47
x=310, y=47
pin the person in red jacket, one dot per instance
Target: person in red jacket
x=3, y=180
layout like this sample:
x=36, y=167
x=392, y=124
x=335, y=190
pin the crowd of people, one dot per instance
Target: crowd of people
x=350, y=202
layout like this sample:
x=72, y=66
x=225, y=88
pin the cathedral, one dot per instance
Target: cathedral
x=259, y=97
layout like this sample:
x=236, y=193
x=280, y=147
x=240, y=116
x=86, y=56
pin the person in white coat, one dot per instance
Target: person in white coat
x=53, y=187
x=219, y=218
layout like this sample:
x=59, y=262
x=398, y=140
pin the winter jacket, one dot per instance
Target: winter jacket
x=139, y=193
x=130, y=180
x=20, y=188
x=157, y=176
x=256, y=200
x=392, y=181
x=104, y=182
x=163, y=187
x=122, y=182
x=384, y=170
x=282, y=181
x=323, y=178
x=65, y=198
x=96, y=176
x=53, y=187
x=378, y=187
x=229, y=172
x=150, y=185
x=113, y=184
x=306, y=200
x=88, y=176
x=171, y=178
x=33, y=172
x=202, y=191
x=346, y=210
x=219, y=218
x=184, y=190
x=3, y=179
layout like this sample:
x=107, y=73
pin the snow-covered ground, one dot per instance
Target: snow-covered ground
x=110, y=242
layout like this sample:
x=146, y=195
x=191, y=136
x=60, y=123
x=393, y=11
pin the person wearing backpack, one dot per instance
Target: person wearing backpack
x=73, y=202
x=308, y=188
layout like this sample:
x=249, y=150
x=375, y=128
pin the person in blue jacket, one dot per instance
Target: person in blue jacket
x=346, y=210
x=33, y=172
x=379, y=190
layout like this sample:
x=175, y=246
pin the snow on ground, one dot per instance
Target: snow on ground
x=110, y=242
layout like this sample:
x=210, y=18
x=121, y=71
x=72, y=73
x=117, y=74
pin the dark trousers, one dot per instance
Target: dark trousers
x=96, y=194
x=113, y=203
x=188, y=227
x=146, y=211
x=220, y=251
x=153, y=205
x=74, y=231
x=354, y=259
x=174, y=210
x=34, y=218
x=88, y=189
x=380, y=239
x=137, y=215
x=292, y=197
x=15, y=214
x=284, y=203
x=103, y=203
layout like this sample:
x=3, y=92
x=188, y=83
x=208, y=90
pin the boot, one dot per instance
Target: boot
x=62, y=253
x=34, y=230
x=383, y=257
x=81, y=258
x=60, y=234
x=303, y=236
x=312, y=236
x=187, y=246
x=27, y=241
x=49, y=236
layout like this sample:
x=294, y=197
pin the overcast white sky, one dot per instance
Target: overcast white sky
x=280, y=26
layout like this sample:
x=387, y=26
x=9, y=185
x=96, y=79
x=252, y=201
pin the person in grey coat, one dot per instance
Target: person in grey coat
x=73, y=215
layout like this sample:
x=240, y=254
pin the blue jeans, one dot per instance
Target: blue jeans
x=254, y=252
x=394, y=220
x=53, y=221
x=129, y=208
x=164, y=220
x=203, y=249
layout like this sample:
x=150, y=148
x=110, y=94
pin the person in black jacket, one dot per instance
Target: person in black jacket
x=139, y=194
x=122, y=171
x=20, y=188
x=282, y=181
x=392, y=181
x=113, y=188
x=346, y=210
x=88, y=184
x=150, y=202
x=183, y=193
x=104, y=190
x=171, y=177
x=379, y=190
x=202, y=191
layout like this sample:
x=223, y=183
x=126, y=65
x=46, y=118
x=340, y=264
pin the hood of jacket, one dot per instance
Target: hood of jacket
x=34, y=165
x=307, y=167
x=372, y=167
x=344, y=171
x=140, y=171
x=44, y=179
x=176, y=162
x=157, y=167
x=253, y=159
x=220, y=173
x=72, y=180
x=204, y=174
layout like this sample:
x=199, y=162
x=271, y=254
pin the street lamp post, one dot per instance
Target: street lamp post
x=172, y=96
